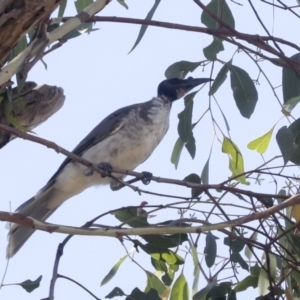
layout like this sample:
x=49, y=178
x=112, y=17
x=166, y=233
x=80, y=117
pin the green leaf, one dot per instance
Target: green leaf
x=167, y=278
x=220, y=78
x=194, y=178
x=219, y=291
x=272, y=265
x=144, y=27
x=166, y=241
x=82, y=4
x=22, y=44
x=237, y=258
x=244, y=91
x=185, y=122
x=181, y=68
x=160, y=253
x=123, y=3
x=210, y=250
x=202, y=294
x=263, y=283
x=79, y=30
x=153, y=282
x=185, y=129
x=249, y=281
x=29, y=285
x=113, y=271
x=137, y=294
x=180, y=290
x=236, y=161
x=205, y=172
x=211, y=51
x=116, y=292
x=132, y=216
x=220, y=9
x=295, y=128
x=261, y=144
x=152, y=294
x=177, y=152
x=248, y=253
x=196, y=272
x=159, y=265
x=255, y=270
x=235, y=245
x=290, y=81
x=285, y=139
x=290, y=105
x=232, y=295
x=62, y=8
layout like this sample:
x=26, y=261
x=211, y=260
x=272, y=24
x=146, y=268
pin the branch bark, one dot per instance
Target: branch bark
x=17, y=17
x=167, y=229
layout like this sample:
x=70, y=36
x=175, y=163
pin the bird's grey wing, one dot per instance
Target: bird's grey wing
x=110, y=125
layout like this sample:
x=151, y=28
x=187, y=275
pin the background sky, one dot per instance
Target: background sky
x=99, y=76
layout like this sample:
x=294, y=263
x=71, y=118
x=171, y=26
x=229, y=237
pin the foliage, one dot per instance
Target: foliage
x=263, y=254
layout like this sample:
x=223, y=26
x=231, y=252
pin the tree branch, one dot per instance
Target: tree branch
x=31, y=51
x=255, y=40
x=119, y=232
x=95, y=167
x=18, y=17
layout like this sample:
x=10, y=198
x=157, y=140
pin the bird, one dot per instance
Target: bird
x=124, y=139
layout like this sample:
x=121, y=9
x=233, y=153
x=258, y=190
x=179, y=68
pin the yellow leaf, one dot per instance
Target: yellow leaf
x=261, y=143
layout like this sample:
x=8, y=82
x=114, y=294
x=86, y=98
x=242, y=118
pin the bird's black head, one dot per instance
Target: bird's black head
x=175, y=88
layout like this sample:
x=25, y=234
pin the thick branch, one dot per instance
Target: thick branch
x=36, y=48
x=223, y=33
x=18, y=17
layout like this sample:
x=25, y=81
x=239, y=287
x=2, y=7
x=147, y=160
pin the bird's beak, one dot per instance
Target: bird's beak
x=188, y=84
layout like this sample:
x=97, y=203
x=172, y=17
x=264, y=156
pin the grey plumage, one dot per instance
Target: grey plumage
x=124, y=139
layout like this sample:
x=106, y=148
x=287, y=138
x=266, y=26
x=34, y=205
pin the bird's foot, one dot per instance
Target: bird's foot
x=146, y=179
x=106, y=167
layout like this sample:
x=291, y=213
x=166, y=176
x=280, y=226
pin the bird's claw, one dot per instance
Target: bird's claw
x=106, y=167
x=146, y=179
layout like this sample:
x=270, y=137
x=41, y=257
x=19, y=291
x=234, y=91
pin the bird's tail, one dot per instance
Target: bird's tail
x=38, y=207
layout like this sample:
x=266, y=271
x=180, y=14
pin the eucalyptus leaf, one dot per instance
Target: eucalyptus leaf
x=261, y=143
x=116, y=292
x=180, y=290
x=181, y=68
x=62, y=8
x=244, y=91
x=144, y=27
x=82, y=4
x=30, y=285
x=177, y=152
x=220, y=9
x=153, y=282
x=236, y=161
x=285, y=139
x=211, y=51
x=113, y=271
x=290, y=81
x=220, y=78
x=123, y=3
x=210, y=250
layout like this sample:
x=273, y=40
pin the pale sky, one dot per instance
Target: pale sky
x=98, y=76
